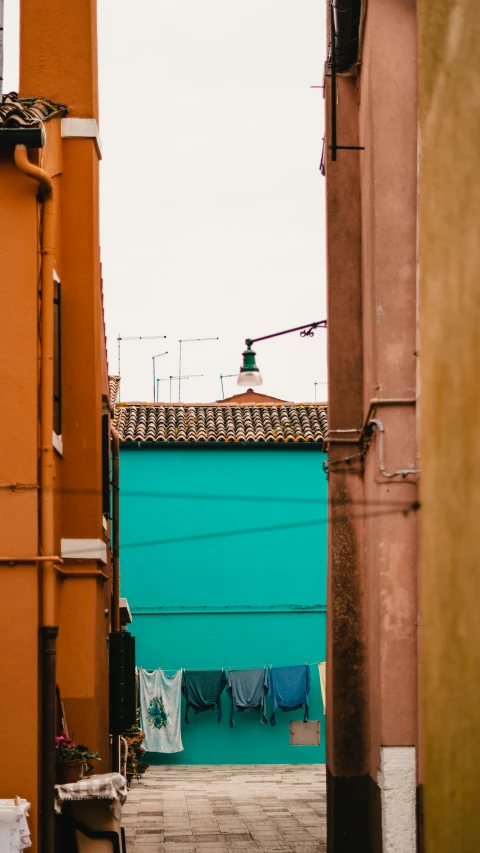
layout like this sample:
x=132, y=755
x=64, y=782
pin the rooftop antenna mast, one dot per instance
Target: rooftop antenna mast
x=154, y=358
x=121, y=338
x=164, y=378
x=180, y=342
x=226, y=376
x=315, y=386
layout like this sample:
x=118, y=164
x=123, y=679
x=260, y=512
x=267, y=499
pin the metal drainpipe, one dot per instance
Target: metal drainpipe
x=116, y=564
x=116, y=530
x=49, y=629
x=342, y=17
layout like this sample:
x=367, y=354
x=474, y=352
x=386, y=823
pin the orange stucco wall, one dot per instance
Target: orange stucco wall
x=58, y=53
x=19, y=600
x=58, y=60
x=84, y=624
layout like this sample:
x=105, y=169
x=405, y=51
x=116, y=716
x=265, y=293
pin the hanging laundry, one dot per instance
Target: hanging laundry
x=289, y=687
x=202, y=690
x=247, y=689
x=322, y=669
x=14, y=831
x=160, y=701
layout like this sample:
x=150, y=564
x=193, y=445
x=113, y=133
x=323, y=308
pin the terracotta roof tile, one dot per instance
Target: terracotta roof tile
x=217, y=422
x=27, y=112
x=114, y=385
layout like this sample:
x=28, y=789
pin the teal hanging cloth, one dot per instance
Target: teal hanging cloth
x=202, y=690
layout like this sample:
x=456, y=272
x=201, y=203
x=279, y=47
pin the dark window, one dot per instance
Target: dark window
x=106, y=465
x=57, y=360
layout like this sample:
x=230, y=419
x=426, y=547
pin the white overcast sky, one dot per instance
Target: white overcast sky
x=212, y=204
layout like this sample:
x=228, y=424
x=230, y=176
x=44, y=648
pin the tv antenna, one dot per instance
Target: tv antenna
x=226, y=376
x=154, y=357
x=164, y=379
x=121, y=338
x=186, y=341
x=315, y=386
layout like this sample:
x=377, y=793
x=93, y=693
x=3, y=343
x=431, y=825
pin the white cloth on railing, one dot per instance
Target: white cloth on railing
x=14, y=831
x=102, y=786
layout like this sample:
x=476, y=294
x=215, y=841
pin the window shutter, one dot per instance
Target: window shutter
x=123, y=705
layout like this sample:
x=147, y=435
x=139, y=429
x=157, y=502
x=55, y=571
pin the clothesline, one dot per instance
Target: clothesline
x=224, y=668
x=160, y=698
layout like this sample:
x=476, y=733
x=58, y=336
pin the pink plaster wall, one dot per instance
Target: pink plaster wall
x=388, y=169
x=371, y=250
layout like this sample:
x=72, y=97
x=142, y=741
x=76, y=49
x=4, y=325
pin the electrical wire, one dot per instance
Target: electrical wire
x=127, y=493
x=318, y=522
x=223, y=668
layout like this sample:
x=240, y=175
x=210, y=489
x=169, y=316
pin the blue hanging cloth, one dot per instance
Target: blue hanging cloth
x=289, y=687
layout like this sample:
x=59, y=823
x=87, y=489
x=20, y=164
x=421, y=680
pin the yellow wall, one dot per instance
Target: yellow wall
x=449, y=36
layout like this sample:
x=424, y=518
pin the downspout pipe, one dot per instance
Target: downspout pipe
x=116, y=762
x=116, y=530
x=345, y=15
x=49, y=629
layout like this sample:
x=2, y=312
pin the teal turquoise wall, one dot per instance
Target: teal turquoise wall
x=207, y=531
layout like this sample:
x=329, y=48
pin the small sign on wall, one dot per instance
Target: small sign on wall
x=305, y=734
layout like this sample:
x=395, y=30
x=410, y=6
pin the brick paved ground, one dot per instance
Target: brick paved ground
x=227, y=809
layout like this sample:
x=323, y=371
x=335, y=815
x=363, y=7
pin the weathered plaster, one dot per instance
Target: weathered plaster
x=396, y=780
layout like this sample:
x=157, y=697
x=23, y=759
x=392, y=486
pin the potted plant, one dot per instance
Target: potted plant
x=72, y=760
x=135, y=766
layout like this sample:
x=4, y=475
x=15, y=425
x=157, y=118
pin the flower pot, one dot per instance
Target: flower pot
x=68, y=771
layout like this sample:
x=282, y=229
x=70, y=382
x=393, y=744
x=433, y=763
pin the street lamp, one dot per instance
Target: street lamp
x=249, y=373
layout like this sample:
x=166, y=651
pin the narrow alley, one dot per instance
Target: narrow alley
x=227, y=809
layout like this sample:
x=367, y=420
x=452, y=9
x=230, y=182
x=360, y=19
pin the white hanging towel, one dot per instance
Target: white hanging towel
x=160, y=701
x=322, y=668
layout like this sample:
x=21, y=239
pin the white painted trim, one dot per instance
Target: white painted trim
x=84, y=549
x=125, y=610
x=57, y=441
x=105, y=524
x=82, y=128
x=397, y=782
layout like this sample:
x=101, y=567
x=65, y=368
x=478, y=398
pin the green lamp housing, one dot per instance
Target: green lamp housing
x=249, y=373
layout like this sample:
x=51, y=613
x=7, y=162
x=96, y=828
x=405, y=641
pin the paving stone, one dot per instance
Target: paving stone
x=171, y=847
x=300, y=847
x=227, y=809
x=204, y=837
x=180, y=837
